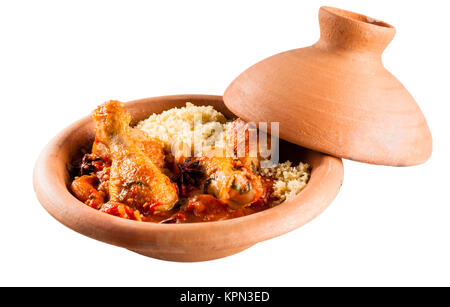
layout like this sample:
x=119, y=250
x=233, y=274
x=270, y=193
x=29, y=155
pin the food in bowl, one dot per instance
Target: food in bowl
x=180, y=166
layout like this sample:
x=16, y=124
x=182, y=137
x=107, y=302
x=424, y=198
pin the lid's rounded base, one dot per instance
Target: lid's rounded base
x=336, y=97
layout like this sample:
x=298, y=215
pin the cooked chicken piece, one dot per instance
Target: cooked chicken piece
x=135, y=179
x=226, y=178
x=84, y=189
x=230, y=181
x=239, y=137
x=154, y=149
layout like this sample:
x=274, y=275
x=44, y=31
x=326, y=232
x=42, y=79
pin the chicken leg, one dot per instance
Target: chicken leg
x=135, y=180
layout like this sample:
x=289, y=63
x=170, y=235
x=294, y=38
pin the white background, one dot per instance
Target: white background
x=59, y=59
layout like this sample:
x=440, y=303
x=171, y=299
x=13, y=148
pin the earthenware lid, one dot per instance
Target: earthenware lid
x=336, y=96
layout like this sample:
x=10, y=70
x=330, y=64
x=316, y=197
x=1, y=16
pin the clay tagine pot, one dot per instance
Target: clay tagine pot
x=336, y=96
x=178, y=242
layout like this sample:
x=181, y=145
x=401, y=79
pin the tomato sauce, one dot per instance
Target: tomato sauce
x=91, y=187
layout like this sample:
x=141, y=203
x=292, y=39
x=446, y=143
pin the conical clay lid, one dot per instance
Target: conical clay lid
x=336, y=96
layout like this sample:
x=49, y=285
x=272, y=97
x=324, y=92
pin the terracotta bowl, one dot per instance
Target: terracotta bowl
x=177, y=242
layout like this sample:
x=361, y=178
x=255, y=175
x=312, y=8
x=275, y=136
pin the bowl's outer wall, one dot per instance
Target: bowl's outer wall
x=181, y=242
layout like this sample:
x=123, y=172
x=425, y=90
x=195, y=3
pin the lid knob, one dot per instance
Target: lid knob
x=341, y=29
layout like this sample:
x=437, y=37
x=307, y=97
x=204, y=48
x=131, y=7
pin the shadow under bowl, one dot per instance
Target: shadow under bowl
x=178, y=242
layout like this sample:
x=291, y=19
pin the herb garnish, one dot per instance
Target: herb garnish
x=128, y=185
x=207, y=184
x=246, y=189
